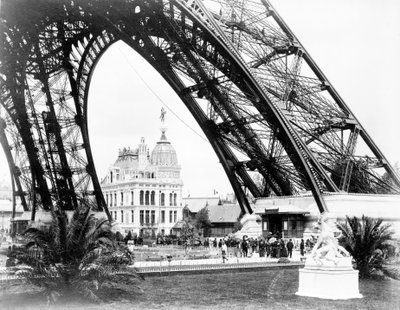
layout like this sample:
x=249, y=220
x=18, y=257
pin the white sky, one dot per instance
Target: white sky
x=356, y=43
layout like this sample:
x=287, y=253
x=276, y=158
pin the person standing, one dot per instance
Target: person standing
x=261, y=248
x=283, y=251
x=244, y=246
x=302, y=247
x=289, y=247
x=268, y=248
x=224, y=251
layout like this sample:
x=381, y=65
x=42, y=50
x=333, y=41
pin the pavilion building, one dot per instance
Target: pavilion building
x=143, y=192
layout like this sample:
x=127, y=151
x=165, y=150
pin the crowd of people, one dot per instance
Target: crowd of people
x=272, y=246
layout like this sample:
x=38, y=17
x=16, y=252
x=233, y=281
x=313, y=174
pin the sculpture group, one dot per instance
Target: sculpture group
x=327, y=250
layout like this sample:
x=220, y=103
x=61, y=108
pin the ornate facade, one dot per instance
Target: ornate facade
x=143, y=192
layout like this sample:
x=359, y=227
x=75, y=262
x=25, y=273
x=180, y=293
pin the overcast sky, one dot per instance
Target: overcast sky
x=356, y=43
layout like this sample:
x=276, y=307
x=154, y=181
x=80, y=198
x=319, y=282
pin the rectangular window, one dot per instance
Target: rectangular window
x=111, y=200
x=265, y=225
x=162, y=216
x=175, y=215
x=122, y=198
x=132, y=198
x=132, y=216
x=153, y=216
x=122, y=216
x=141, y=217
x=285, y=231
x=147, y=218
x=170, y=216
x=115, y=199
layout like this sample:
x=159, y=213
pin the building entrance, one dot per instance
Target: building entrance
x=275, y=223
x=283, y=225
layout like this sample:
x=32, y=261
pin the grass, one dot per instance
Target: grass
x=271, y=289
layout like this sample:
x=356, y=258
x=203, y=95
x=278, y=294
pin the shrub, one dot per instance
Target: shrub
x=367, y=240
x=78, y=257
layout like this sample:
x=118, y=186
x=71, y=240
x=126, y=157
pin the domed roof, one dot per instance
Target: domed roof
x=164, y=154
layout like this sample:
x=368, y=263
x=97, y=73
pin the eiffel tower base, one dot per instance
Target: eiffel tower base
x=328, y=282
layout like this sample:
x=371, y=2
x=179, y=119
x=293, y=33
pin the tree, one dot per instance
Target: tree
x=202, y=220
x=367, y=240
x=119, y=237
x=128, y=237
x=186, y=234
x=80, y=256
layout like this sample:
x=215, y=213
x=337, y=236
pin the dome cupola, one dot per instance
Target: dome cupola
x=164, y=154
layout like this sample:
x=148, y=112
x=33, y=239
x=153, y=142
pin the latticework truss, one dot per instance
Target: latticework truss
x=276, y=123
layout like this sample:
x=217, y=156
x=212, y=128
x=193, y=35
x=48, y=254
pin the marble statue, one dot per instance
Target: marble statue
x=328, y=272
x=327, y=249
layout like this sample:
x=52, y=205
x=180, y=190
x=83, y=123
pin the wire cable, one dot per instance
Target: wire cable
x=158, y=97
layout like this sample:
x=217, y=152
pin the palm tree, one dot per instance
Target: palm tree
x=367, y=240
x=77, y=256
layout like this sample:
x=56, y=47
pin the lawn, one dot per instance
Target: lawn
x=270, y=289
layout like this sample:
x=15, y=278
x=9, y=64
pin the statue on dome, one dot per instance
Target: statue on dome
x=327, y=249
x=162, y=116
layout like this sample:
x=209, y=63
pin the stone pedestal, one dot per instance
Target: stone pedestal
x=329, y=280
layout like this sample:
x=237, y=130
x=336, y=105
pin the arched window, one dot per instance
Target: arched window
x=122, y=198
x=170, y=199
x=162, y=199
x=141, y=198
x=175, y=199
x=110, y=200
x=141, y=218
x=153, y=198
x=147, y=198
x=132, y=198
x=115, y=199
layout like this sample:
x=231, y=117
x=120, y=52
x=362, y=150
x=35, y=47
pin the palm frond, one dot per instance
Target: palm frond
x=366, y=239
x=81, y=256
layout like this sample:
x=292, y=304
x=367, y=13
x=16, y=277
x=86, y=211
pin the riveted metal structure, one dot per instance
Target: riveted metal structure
x=276, y=123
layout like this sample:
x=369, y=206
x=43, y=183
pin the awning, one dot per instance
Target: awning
x=285, y=209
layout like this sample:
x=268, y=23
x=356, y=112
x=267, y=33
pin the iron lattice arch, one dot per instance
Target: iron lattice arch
x=275, y=122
